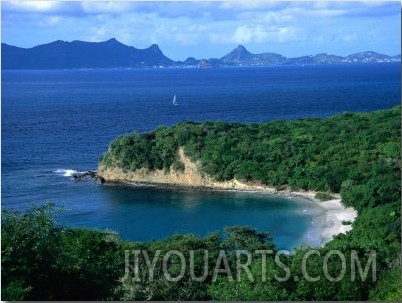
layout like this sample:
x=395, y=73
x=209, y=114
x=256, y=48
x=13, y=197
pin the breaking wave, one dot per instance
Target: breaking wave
x=66, y=172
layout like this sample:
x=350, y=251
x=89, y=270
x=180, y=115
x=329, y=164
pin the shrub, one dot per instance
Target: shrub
x=323, y=196
x=178, y=166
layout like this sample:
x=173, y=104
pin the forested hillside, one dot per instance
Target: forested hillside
x=356, y=154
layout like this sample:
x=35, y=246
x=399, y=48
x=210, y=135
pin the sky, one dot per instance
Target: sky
x=204, y=29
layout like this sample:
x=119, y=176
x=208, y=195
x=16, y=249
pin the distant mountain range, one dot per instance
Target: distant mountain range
x=113, y=54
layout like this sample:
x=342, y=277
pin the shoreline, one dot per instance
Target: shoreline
x=329, y=223
x=323, y=225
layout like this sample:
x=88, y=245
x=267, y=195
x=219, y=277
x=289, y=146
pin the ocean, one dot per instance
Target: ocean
x=57, y=122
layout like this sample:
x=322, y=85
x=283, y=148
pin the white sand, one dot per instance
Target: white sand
x=329, y=222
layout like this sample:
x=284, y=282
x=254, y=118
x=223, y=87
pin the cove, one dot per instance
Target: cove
x=144, y=213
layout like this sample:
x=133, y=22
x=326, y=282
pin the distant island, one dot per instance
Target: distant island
x=114, y=54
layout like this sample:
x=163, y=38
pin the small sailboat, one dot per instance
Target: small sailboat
x=175, y=101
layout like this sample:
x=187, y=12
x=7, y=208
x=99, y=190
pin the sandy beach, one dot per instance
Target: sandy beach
x=328, y=222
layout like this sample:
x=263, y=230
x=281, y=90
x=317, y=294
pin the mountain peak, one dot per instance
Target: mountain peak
x=112, y=40
x=238, y=54
x=240, y=49
x=154, y=47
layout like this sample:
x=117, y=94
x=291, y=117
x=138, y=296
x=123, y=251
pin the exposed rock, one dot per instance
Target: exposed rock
x=190, y=176
x=88, y=174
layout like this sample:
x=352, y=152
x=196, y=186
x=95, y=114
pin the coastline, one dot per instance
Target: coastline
x=329, y=222
x=324, y=225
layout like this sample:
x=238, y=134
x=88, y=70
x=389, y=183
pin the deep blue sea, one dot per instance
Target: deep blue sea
x=54, y=122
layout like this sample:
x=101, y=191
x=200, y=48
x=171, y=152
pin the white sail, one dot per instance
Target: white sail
x=175, y=101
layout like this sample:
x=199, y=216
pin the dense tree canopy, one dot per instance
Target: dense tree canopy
x=357, y=154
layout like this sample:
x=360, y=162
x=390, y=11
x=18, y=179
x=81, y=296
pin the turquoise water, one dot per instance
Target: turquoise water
x=164, y=211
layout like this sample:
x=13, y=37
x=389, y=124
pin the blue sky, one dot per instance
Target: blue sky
x=210, y=29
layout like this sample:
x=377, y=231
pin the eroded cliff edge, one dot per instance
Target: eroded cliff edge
x=189, y=176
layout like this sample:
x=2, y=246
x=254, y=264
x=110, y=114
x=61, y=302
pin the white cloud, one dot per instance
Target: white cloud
x=31, y=6
x=242, y=35
x=107, y=31
x=252, y=5
x=189, y=35
x=276, y=17
x=350, y=37
x=260, y=34
x=50, y=21
x=107, y=7
x=207, y=28
x=289, y=34
x=141, y=30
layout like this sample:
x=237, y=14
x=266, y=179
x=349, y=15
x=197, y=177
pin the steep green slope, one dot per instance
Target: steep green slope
x=348, y=153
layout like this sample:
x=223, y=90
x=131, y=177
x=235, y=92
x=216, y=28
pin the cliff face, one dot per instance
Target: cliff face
x=191, y=176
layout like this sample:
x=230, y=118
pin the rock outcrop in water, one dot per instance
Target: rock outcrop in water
x=89, y=174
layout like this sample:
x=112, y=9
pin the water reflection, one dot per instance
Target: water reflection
x=152, y=212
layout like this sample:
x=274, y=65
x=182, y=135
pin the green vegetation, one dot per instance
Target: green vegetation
x=356, y=154
x=41, y=261
x=323, y=196
x=348, y=153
